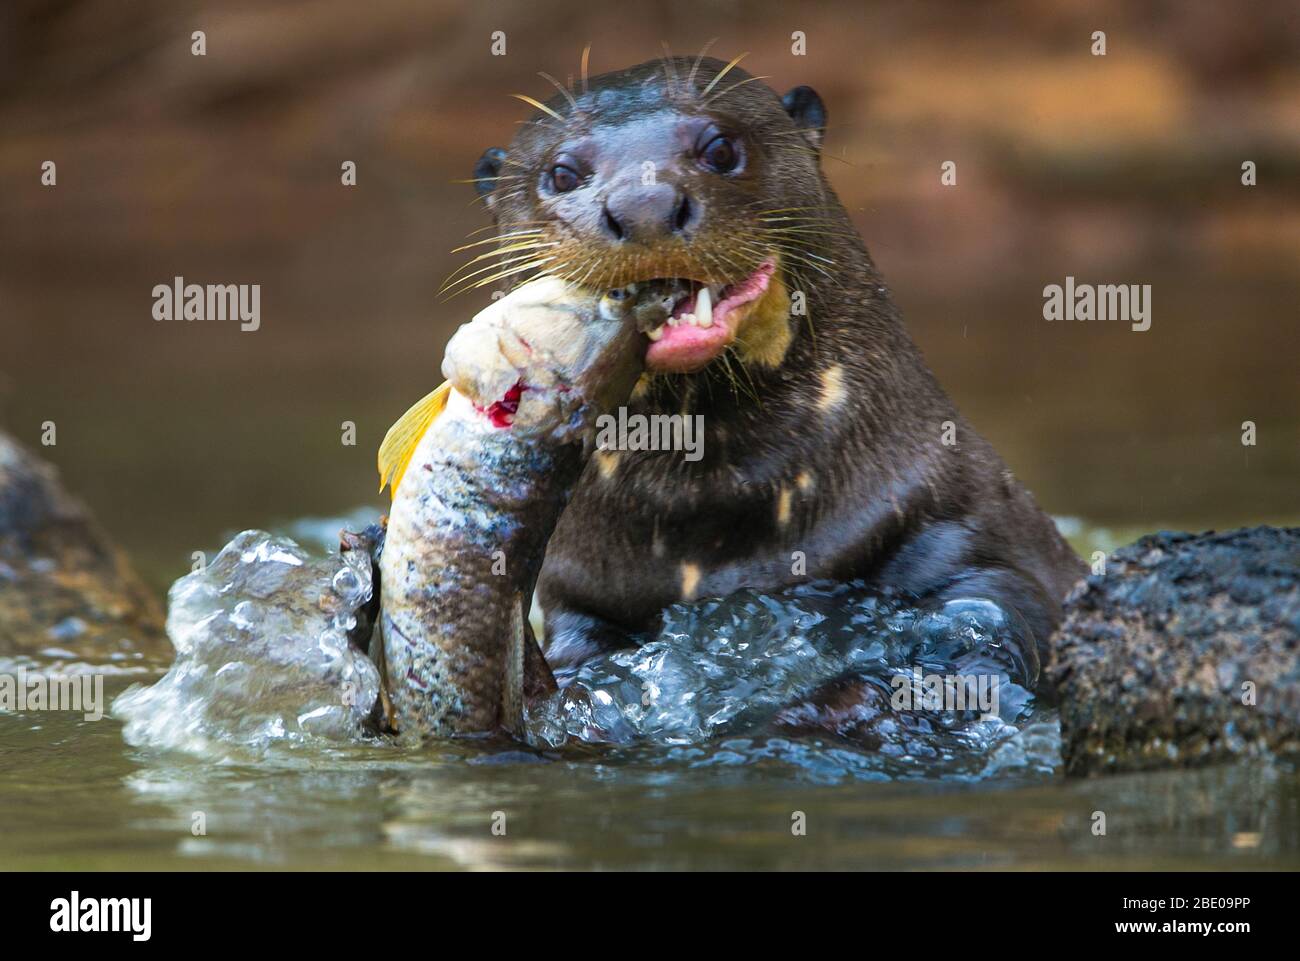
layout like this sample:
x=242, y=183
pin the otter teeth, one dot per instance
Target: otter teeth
x=703, y=316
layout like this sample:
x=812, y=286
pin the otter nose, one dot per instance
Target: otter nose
x=647, y=212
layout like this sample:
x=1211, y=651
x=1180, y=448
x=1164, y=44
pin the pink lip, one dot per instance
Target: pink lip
x=683, y=349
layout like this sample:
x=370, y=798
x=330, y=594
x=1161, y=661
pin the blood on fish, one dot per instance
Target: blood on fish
x=502, y=412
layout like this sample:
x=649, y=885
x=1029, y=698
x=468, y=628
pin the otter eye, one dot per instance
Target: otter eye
x=721, y=155
x=564, y=179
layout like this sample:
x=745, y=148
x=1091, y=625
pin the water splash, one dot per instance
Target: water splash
x=262, y=652
x=748, y=678
x=263, y=659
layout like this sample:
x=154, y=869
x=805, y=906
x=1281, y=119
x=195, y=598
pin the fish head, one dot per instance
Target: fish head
x=548, y=357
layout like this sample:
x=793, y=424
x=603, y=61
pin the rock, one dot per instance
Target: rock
x=1185, y=652
x=63, y=586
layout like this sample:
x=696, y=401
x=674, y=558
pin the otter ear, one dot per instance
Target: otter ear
x=808, y=112
x=487, y=170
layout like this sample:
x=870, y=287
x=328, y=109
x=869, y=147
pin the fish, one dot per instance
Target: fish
x=480, y=470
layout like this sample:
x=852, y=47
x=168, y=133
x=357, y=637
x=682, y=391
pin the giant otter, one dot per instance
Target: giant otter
x=824, y=449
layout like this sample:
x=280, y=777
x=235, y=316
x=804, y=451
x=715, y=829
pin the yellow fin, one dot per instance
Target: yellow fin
x=399, y=443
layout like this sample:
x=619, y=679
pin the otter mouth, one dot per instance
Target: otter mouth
x=704, y=319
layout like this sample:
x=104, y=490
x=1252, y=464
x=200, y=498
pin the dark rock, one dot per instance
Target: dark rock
x=1185, y=652
x=63, y=586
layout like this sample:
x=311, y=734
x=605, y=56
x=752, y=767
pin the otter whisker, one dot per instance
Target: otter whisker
x=723, y=93
x=731, y=376
x=462, y=282
x=809, y=235
x=452, y=280
x=483, y=198
x=809, y=254
x=797, y=257
x=800, y=223
x=504, y=238
x=800, y=255
x=811, y=231
x=507, y=273
x=815, y=228
x=812, y=152
x=498, y=255
x=591, y=270
x=808, y=239
x=507, y=226
x=533, y=101
x=604, y=279
x=784, y=210
x=495, y=240
x=586, y=57
x=749, y=376
x=800, y=131
x=723, y=72
x=802, y=147
x=483, y=180
x=798, y=220
x=690, y=79
x=560, y=87
x=670, y=68
x=495, y=255
x=734, y=382
x=573, y=266
x=741, y=269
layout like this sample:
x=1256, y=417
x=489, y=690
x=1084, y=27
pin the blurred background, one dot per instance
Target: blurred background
x=225, y=168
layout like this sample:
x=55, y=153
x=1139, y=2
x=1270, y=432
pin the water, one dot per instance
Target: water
x=715, y=689
x=251, y=750
x=262, y=653
x=78, y=796
x=263, y=662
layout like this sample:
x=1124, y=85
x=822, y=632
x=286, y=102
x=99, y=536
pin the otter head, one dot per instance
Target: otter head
x=686, y=172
